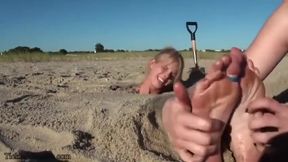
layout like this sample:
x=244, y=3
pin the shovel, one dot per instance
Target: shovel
x=196, y=73
x=193, y=26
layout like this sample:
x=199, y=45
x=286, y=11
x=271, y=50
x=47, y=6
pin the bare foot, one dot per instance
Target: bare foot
x=242, y=145
x=216, y=96
x=225, y=96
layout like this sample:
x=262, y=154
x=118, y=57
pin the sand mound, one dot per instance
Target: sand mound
x=81, y=110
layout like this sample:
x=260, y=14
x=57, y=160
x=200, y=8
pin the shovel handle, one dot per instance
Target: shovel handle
x=195, y=56
x=192, y=33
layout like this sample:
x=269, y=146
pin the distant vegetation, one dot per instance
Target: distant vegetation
x=35, y=54
x=28, y=50
x=25, y=50
x=63, y=51
x=100, y=48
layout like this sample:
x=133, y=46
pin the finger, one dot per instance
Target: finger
x=191, y=121
x=263, y=138
x=263, y=104
x=197, y=158
x=259, y=121
x=199, y=150
x=185, y=155
x=181, y=94
x=198, y=137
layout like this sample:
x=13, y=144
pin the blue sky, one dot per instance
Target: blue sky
x=130, y=24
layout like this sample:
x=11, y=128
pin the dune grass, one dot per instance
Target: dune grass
x=44, y=57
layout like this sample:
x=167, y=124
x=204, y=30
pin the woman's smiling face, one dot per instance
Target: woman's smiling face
x=163, y=72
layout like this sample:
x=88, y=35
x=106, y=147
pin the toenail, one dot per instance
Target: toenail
x=233, y=78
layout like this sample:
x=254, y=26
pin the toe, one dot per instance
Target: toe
x=237, y=59
x=221, y=64
x=226, y=60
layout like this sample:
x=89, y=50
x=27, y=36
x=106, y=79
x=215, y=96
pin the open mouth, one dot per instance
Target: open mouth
x=161, y=80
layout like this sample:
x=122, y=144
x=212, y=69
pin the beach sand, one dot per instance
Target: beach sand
x=85, y=111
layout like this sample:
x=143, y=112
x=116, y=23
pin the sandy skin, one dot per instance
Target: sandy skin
x=227, y=98
x=217, y=96
x=213, y=100
x=242, y=144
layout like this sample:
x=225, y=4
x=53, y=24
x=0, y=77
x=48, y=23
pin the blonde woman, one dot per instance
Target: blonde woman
x=163, y=70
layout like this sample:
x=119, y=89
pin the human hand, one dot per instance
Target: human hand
x=268, y=119
x=194, y=138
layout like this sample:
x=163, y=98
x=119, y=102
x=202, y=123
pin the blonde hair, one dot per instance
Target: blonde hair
x=173, y=54
x=165, y=54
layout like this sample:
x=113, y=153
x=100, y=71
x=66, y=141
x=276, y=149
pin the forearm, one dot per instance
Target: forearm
x=271, y=44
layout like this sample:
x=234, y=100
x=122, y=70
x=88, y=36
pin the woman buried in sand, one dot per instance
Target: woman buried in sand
x=163, y=70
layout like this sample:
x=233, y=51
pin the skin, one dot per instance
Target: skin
x=271, y=42
x=267, y=113
x=242, y=145
x=198, y=130
x=161, y=75
x=267, y=50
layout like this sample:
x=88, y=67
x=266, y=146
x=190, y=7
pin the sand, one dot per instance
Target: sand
x=85, y=111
